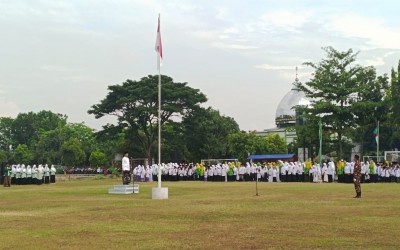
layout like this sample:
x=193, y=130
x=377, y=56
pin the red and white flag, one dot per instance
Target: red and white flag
x=159, y=45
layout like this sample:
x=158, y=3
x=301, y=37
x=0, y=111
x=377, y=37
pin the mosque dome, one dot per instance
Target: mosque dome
x=285, y=112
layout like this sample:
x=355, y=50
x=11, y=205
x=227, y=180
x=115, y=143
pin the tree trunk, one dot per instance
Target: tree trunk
x=148, y=154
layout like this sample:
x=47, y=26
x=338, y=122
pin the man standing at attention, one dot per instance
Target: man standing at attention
x=126, y=169
x=6, y=174
x=357, y=176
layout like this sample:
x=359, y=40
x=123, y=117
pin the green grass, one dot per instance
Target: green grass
x=79, y=214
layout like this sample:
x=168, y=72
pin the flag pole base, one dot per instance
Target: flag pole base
x=159, y=193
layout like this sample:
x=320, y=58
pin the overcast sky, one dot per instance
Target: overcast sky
x=61, y=55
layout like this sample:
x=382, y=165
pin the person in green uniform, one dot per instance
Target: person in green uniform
x=6, y=175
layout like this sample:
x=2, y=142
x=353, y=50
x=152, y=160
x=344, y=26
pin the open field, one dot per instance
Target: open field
x=79, y=214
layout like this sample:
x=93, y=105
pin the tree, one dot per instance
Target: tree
x=3, y=156
x=112, y=140
x=72, y=152
x=135, y=104
x=275, y=144
x=5, y=133
x=394, y=108
x=97, y=158
x=369, y=106
x=334, y=91
x=206, y=134
x=27, y=127
x=243, y=144
x=22, y=154
x=84, y=134
x=48, y=147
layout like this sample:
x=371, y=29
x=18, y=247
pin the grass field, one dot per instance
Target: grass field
x=79, y=214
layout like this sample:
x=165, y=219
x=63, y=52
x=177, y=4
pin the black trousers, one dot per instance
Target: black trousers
x=330, y=178
x=126, y=177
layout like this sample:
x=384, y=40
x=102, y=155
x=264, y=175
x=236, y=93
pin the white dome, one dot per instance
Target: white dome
x=285, y=114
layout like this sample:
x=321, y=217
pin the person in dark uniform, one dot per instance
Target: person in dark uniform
x=357, y=176
x=6, y=175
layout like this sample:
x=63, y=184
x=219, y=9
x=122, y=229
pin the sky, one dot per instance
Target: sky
x=61, y=55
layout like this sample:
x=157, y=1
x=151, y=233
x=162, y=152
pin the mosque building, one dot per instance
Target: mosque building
x=286, y=116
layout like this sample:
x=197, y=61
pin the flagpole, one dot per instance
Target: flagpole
x=320, y=141
x=377, y=144
x=159, y=192
x=159, y=117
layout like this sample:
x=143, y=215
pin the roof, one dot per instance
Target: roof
x=273, y=156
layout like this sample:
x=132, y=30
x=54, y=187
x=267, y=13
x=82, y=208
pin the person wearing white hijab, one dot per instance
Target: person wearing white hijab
x=13, y=175
x=347, y=173
x=23, y=175
x=40, y=174
x=324, y=172
x=46, y=172
x=29, y=174
x=18, y=174
x=53, y=174
x=331, y=171
x=34, y=174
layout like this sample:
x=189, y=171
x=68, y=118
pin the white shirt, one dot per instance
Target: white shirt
x=125, y=164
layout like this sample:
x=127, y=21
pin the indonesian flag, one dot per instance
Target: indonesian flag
x=159, y=45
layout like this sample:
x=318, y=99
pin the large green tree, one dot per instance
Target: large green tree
x=22, y=154
x=368, y=107
x=206, y=134
x=394, y=108
x=72, y=152
x=97, y=158
x=27, y=127
x=337, y=91
x=112, y=140
x=6, y=133
x=135, y=104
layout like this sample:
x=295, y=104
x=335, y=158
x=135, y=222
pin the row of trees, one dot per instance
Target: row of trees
x=46, y=137
x=189, y=132
x=350, y=100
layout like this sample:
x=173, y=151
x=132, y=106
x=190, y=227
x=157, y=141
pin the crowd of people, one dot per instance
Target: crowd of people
x=280, y=171
x=341, y=172
x=89, y=170
x=20, y=174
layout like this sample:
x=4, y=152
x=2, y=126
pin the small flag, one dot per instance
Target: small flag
x=159, y=44
x=376, y=133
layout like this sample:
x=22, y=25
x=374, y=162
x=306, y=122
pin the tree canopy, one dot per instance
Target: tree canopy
x=135, y=104
x=346, y=96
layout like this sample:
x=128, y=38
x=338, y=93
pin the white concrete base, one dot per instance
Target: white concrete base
x=124, y=189
x=159, y=193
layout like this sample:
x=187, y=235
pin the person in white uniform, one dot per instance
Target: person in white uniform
x=126, y=169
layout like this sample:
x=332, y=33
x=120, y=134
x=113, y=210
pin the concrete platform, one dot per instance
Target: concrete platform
x=124, y=189
x=159, y=193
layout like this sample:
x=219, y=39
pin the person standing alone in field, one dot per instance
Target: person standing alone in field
x=6, y=175
x=126, y=169
x=357, y=176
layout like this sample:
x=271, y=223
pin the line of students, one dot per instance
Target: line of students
x=26, y=175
